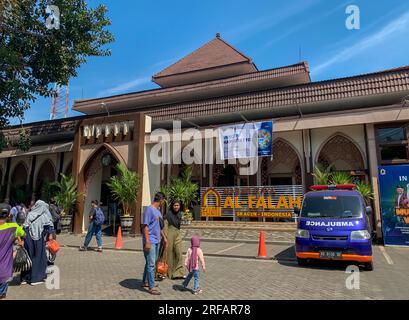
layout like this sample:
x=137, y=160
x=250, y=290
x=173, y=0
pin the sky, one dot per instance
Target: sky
x=150, y=35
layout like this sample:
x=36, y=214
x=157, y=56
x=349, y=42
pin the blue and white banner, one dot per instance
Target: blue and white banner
x=246, y=140
x=394, y=196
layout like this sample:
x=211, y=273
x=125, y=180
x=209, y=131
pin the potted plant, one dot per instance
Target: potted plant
x=66, y=197
x=321, y=174
x=366, y=191
x=124, y=188
x=187, y=217
x=340, y=177
x=183, y=189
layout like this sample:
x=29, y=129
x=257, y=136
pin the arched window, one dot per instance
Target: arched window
x=342, y=154
x=284, y=168
x=19, y=176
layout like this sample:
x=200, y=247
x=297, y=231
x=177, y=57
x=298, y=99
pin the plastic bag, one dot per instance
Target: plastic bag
x=22, y=261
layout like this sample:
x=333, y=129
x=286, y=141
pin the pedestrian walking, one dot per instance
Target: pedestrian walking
x=18, y=214
x=151, y=237
x=39, y=228
x=193, y=256
x=8, y=234
x=97, y=219
x=172, y=230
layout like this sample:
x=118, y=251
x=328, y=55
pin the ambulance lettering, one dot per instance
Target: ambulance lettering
x=329, y=223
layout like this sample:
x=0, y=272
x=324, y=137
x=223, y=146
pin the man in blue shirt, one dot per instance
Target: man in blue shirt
x=151, y=235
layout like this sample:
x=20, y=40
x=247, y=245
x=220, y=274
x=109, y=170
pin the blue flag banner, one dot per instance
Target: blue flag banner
x=246, y=140
x=394, y=195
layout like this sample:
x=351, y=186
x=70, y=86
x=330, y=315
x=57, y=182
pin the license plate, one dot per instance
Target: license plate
x=330, y=254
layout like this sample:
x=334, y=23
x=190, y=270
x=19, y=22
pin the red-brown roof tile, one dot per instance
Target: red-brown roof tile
x=215, y=53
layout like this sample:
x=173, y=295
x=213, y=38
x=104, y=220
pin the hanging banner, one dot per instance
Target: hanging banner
x=246, y=140
x=394, y=196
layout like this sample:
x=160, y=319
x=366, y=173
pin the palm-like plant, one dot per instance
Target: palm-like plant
x=340, y=177
x=67, y=193
x=182, y=188
x=124, y=187
x=365, y=190
x=321, y=174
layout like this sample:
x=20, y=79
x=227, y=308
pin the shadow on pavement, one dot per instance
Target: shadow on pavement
x=286, y=255
x=181, y=288
x=133, y=284
x=288, y=258
x=16, y=282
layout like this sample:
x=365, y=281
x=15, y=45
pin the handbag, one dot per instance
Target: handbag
x=162, y=266
x=22, y=261
x=53, y=246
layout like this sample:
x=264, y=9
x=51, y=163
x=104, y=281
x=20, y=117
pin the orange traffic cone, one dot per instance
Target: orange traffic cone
x=262, y=250
x=118, y=241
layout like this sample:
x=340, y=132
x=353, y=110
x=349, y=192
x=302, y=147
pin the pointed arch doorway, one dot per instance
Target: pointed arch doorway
x=96, y=172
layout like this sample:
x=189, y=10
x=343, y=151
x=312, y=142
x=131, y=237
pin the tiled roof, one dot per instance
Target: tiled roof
x=384, y=82
x=43, y=128
x=215, y=53
x=294, y=69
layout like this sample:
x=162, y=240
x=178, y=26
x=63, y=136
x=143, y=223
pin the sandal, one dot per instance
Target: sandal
x=146, y=285
x=154, y=292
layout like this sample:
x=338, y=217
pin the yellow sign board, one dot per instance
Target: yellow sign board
x=266, y=203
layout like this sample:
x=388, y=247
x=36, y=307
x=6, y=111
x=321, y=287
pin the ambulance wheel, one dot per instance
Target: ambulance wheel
x=302, y=262
x=368, y=266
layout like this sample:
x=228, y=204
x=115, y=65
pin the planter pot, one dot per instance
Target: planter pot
x=186, y=222
x=126, y=224
x=66, y=223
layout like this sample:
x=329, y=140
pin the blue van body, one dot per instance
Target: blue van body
x=333, y=225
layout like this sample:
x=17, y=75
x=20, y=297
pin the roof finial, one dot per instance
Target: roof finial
x=218, y=35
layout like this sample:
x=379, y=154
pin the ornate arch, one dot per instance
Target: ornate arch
x=93, y=163
x=283, y=153
x=46, y=169
x=20, y=167
x=340, y=147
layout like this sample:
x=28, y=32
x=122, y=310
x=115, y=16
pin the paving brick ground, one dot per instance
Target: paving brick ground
x=117, y=275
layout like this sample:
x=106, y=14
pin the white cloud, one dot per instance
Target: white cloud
x=125, y=86
x=304, y=24
x=245, y=31
x=391, y=29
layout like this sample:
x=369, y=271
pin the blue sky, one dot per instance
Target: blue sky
x=150, y=35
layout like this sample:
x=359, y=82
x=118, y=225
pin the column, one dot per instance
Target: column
x=373, y=176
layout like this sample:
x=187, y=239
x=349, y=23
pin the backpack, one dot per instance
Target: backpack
x=21, y=215
x=99, y=216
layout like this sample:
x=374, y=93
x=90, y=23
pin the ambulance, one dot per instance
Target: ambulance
x=333, y=224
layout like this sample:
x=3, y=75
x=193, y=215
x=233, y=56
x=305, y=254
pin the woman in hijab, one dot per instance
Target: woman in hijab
x=174, y=252
x=39, y=228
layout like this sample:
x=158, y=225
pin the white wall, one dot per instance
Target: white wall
x=151, y=177
x=93, y=193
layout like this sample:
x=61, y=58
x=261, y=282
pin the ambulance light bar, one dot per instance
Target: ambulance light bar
x=350, y=186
